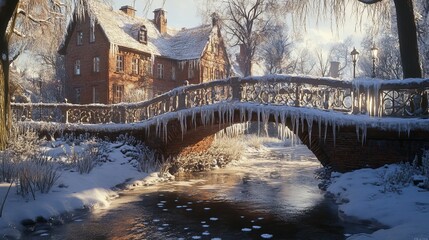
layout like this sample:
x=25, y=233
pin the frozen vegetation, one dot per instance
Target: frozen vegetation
x=41, y=180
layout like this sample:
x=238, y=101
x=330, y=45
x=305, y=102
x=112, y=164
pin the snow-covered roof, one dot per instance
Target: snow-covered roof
x=122, y=30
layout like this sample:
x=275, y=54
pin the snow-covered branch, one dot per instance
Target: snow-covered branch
x=29, y=16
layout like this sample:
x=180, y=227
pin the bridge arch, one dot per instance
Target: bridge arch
x=347, y=125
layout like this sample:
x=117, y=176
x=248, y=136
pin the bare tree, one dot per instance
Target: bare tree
x=379, y=11
x=423, y=34
x=247, y=22
x=15, y=18
x=302, y=63
x=388, y=62
x=275, y=51
x=323, y=60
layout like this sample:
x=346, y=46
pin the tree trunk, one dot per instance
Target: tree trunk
x=6, y=13
x=407, y=33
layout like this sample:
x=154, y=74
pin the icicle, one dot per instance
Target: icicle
x=334, y=132
x=357, y=132
x=183, y=125
x=399, y=129
x=194, y=119
x=326, y=129
x=165, y=130
x=249, y=114
x=309, y=126
x=114, y=49
x=320, y=126
x=242, y=114
x=364, y=130
x=408, y=129
x=302, y=122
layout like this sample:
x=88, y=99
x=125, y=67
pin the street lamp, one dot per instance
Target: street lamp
x=374, y=53
x=355, y=55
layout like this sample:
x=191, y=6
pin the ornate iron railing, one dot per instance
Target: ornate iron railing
x=393, y=98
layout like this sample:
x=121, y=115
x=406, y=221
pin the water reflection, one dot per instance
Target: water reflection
x=271, y=195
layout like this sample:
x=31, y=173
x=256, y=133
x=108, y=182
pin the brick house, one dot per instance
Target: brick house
x=110, y=54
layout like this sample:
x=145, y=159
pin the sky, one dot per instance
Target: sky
x=185, y=13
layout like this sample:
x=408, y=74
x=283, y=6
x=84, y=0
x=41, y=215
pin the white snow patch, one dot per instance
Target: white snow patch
x=361, y=195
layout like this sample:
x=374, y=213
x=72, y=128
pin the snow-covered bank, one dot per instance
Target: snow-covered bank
x=366, y=195
x=73, y=190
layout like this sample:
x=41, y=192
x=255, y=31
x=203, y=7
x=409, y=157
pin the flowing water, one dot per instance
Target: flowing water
x=271, y=194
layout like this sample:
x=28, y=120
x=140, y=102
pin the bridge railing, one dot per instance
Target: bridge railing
x=399, y=98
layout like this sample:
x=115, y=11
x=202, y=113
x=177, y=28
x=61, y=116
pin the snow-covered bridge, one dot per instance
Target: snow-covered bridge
x=347, y=124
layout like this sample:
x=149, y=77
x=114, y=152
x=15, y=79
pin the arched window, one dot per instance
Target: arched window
x=143, y=34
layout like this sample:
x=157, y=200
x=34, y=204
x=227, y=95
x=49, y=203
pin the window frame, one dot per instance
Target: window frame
x=79, y=40
x=96, y=64
x=173, y=73
x=118, y=93
x=142, y=37
x=120, y=63
x=160, y=71
x=92, y=31
x=77, y=94
x=77, y=68
x=135, y=66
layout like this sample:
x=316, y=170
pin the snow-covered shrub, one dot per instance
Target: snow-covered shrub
x=227, y=148
x=37, y=174
x=146, y=158
x=7, y=167
x=400, y=176
x=425, y=163
x=84, y=160
x=223, y=151
x=23, y=143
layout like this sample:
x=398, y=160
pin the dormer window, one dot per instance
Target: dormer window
x=143, y=34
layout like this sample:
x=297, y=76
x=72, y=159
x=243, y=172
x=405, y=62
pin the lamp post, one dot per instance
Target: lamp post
x=374, y=53
x=355, y=55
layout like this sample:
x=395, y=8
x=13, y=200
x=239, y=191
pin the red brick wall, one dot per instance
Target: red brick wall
x=85, y=53
x=214, y=58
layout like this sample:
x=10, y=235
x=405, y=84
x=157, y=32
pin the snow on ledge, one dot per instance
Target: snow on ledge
x=227, y=109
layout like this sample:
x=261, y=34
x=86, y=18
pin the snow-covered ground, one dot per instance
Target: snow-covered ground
x=73, y=190
x=366, y=195
x=362, y=195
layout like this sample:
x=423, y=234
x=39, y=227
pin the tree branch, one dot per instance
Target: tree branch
x=24, y=13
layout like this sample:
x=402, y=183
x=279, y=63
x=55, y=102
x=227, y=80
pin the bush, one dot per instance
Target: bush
x=36, y=174
x=7, y=168
x=84, y=160
x=147, y=159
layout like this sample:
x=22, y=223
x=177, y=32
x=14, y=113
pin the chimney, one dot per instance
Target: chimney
x=215, y=19
x=334, y=69
x=160, y=20
x=130, y=11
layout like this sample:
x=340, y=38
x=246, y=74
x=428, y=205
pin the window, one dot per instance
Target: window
x=119, y=63
x=96, y=64
x=190, y=71
x=92, y=31
x=135, y=66
x=79, y=38
x=95, y=95
x=77, y=67
x=160, y=71
x=143, y=34
x=77, y=95
x=173, y=73
x=118, y=93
